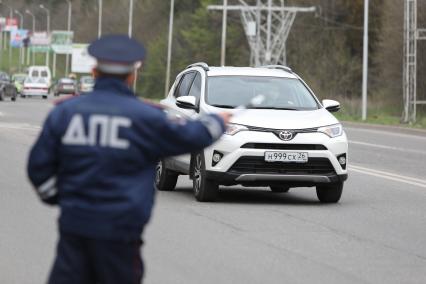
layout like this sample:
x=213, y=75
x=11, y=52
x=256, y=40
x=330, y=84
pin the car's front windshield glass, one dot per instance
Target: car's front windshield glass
x=278, y=93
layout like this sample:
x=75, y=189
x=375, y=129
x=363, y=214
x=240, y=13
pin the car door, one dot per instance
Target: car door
x=188, y=85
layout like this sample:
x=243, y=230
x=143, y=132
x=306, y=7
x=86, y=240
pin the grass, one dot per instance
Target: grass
x=379, y=112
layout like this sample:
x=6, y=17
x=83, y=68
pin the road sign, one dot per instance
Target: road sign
x=17, y=37
x=61, y=42
x=40, y=42
x=81, y=62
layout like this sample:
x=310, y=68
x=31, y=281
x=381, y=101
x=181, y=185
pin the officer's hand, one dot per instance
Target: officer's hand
x=226, y=116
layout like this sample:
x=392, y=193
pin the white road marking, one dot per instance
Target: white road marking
x=20, y=126
x=389, y=176
x=387, y=147
x=388, y=133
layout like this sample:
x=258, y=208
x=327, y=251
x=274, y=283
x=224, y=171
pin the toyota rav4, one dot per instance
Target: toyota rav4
x=289, y=139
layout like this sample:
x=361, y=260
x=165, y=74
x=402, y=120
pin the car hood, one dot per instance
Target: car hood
x=281, y=119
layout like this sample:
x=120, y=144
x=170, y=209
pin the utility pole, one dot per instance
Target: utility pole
x=33, y=31
x=130, y=31
x=268, y=34
x=67, y=59
x=411, y=35
x=224, y=25
x=48, y=31
x=365, y=62
x=100, y=18
x=169, y=47
x=21, y=26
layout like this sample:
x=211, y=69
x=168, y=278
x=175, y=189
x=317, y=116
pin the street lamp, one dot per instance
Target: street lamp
x=48, y=29
x=169, y=47
x=67, y=62
x=100, y=18
x=21, y=25
x=33, y=31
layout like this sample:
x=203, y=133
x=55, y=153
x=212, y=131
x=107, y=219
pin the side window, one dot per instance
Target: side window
x=184, y=85
x=195, y=90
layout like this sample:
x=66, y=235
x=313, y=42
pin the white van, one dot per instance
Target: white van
x=38, y=82
x=37, y=72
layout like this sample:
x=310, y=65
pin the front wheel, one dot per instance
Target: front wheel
x=330, y=193
x=165, y=179
x=13, y=99
x=45, y=97
x=204, y=189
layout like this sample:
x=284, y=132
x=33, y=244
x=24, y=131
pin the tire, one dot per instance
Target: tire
x=45, y=97
x=279, y=189
x=330, y=193
x=13, y=99
x=204, y=189
x=165, y=179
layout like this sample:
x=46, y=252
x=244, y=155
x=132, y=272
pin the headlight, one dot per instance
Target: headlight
x=332, y=130
x=235, y=128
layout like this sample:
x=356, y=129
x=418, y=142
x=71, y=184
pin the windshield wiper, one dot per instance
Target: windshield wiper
x=223, y=106
x=279, y=108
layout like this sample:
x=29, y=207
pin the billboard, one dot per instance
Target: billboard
x=81, y=61
x=11, y=24
x=40, y=42
x=17, y=37
x=61, y=42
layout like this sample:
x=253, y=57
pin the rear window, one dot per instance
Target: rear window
x=44, y=74
x=34, y=73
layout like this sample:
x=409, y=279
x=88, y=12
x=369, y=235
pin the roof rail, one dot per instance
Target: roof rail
x=280, y=67
x=203, y=65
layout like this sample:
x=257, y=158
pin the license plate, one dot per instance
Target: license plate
x=286, y=157
x=68, y=87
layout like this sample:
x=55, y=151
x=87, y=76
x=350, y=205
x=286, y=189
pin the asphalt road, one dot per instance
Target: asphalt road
x=376, y=234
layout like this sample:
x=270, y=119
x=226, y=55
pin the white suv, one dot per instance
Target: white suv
x=288, y=140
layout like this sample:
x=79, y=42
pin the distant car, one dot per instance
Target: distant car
x=86, y=84
x=34, y=86
x=7, y=89
x=18, y=81
x=35, y=72
x=65, y=86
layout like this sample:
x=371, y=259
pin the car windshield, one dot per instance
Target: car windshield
x=278, y=93
x=19, y=79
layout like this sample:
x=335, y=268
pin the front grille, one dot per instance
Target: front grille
x=280, y=146
x=261, y=129
x=257, y=165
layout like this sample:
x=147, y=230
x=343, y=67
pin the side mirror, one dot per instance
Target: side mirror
x=188, y=102
x=331, y=105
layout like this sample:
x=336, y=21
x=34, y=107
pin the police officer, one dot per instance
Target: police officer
x=96, y=157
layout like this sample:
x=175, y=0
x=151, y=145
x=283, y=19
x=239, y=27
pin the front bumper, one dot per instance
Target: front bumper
x=242, y=164
x=230, y=178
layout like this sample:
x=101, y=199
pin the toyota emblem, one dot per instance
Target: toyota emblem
x=286, y=135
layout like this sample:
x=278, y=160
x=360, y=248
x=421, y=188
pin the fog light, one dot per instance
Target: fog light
x=217, y=156
x=342, y=161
